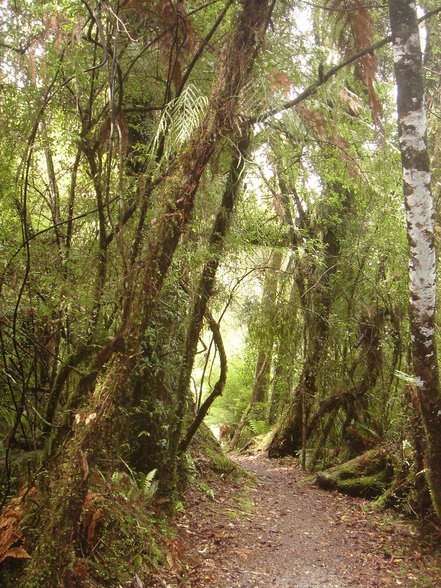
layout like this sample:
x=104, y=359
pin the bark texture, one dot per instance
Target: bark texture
x=420, y=227
x=367, y=475
x=289, y=435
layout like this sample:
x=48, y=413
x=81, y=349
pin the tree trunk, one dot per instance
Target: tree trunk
x=289, y=435
x=203, y=294
x=266, y=325
x=420, y=228
x=275, y=399
x=287, y=345
x=287, y=438
x=366, y=475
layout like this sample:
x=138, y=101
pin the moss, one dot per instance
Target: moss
x=120, y=533
x=207, y=449
x=368, y=475
x=232, y=513
x=223, y=465
x=245, y=504
x=205, y=441
x=127, y=542
x=365, y=486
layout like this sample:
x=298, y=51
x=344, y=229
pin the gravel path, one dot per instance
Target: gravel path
x=300, y=536
x=285, y=533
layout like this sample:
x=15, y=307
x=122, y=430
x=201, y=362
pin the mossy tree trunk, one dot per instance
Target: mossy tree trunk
x=286, y=347
x=267, y=324
x=371, y=358
x=366, y=475
x=287, y=438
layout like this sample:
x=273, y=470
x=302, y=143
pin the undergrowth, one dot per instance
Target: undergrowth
x=126, y=532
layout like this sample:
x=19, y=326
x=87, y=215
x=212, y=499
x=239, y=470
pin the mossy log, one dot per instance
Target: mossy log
x=367, y=475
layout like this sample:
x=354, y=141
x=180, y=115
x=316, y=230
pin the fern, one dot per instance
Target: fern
x=148, y=485
x=259, y=427
x=179, y=120
x=139, y=483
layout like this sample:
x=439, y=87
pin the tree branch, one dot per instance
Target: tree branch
x=312, y=89
x=218, y=388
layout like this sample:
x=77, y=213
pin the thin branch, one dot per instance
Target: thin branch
x=312, y=88
x=218, y=388
x=202, y=46
x=46, y=230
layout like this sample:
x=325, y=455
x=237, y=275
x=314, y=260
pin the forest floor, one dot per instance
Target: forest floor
x=277, y=529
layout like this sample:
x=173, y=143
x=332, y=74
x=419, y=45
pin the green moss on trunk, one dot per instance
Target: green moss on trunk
x=367, y=475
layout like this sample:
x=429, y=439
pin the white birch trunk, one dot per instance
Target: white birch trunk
x=420, y=227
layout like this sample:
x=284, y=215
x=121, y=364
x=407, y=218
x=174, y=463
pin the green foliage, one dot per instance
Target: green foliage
x=208, y=491
x=259, y=427
x=228, y=408
x=140, y=484
x=130, y=539
x=94, y=138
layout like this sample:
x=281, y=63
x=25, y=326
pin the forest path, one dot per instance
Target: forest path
x=285, y=533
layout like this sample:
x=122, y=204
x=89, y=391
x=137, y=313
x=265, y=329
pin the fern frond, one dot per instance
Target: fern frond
x=179, y=120
x=148, y=482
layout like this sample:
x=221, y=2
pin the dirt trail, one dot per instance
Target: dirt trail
x=285, y=533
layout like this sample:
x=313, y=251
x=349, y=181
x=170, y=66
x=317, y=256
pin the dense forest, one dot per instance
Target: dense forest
x=221, y=214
